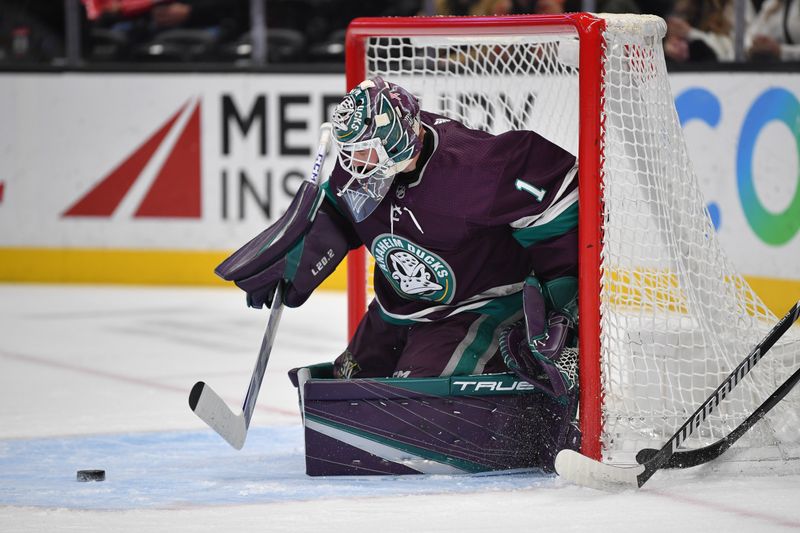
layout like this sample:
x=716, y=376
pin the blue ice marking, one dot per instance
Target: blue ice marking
x=169, y=470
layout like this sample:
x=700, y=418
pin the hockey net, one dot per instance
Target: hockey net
x=664, y=317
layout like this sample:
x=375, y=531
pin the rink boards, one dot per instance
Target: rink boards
x=162, y=188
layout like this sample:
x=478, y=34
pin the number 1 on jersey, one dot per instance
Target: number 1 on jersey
x=527, y=187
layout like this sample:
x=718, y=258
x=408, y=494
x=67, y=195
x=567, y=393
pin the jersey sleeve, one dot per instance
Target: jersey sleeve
x=536, y=191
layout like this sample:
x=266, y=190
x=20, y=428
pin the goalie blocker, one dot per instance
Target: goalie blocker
x=445, y=425
x=302, y=248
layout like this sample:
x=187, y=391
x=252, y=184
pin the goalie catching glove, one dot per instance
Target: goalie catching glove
x=301, y=249
x=541, y=348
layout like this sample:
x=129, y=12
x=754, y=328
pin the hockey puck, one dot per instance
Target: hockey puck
x=91, y=475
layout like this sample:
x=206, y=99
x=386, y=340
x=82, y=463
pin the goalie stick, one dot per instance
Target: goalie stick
x=206, y=403
x=699, y=456
x=213, y=410
x=583, y=470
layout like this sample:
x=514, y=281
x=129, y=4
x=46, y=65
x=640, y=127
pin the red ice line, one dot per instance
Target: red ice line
x=730, y=509
x=119, y=377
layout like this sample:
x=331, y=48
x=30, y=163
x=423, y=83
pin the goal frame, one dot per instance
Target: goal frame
x=590, y=173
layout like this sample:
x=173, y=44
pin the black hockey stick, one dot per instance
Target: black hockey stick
x=582, y=470
x=206, y=403
x=699, y=456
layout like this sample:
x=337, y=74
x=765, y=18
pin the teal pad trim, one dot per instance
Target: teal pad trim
x=293, y=257
x=478, y=385
x=561, y=294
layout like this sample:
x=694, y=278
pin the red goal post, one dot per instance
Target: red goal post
x=589, y=28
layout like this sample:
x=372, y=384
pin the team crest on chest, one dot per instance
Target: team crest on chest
x=414, y=272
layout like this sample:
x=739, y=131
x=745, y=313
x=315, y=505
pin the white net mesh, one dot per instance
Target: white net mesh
x=496, y=85
x=675, y=316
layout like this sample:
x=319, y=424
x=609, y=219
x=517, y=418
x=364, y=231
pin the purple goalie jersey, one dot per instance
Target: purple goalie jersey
x=443, y=238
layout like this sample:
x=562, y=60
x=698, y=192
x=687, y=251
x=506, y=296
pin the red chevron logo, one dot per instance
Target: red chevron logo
x=175, y=190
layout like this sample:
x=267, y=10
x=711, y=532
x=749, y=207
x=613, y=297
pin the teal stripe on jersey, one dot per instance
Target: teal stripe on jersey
x=326, y=187
x=488, y=306
x=558, y=226
x=293, y=257
x=481, y=340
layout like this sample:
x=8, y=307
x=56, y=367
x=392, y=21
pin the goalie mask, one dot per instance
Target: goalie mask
x=376, y=129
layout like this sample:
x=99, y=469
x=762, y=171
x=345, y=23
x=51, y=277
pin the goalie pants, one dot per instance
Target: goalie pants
x=460, y=345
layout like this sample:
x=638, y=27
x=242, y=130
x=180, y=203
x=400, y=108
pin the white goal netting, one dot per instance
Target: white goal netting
x=676, y=318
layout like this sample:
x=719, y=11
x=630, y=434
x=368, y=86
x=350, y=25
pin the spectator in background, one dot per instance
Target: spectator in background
x=326, y=21
x=541, y=7
x=166, y=13
x=31, y=30
x=660, y=8
x=228, y=18
x=456, y=8
x=701, y=30
x=143, y=22
x=549, y=7
x=172, y=14
x=774, y=34
x=620, y=6
x=492, y=7
x=467, y=7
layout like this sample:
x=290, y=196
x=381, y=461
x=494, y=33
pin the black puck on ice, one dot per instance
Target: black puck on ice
x=91, y=475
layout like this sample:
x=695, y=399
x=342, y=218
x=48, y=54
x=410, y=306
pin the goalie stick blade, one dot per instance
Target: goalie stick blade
x=213, y=410
x=582, y=470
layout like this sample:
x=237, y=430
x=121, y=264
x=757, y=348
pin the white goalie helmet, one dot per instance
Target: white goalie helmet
x=376, y=130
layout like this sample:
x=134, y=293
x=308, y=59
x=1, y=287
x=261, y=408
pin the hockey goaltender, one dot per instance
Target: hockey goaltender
x=466, y=359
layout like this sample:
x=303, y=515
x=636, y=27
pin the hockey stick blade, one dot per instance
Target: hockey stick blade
x=586, y=471
x=213, y=410
x=699, y=456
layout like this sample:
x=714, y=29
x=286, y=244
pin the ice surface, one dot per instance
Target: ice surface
x=165, y=470
x=98, y=378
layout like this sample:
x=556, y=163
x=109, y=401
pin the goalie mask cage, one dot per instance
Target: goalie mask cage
x=663, y=315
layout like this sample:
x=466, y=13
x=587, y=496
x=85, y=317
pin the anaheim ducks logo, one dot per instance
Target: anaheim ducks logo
x=348, y=117
x=343, y=112
x=414, y=272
